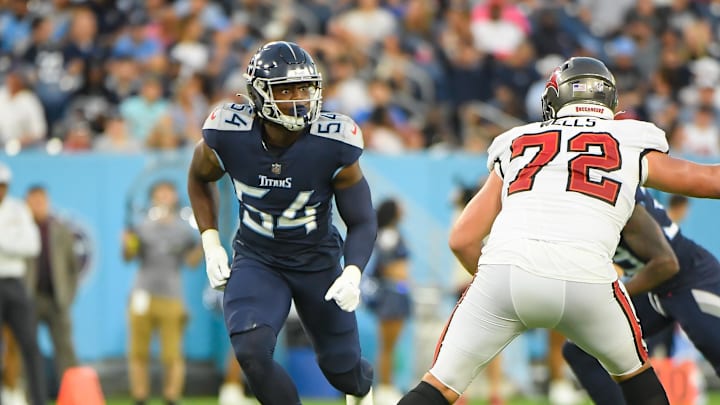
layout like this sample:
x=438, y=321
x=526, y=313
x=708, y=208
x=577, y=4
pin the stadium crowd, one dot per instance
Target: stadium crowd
x=130, y=75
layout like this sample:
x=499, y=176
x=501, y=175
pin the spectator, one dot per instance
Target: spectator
x=388, y=128
x=142, y=112
x=348, y=93
x=55, y=83
x=701, y=136
x=210, y=13
x=82, y=47
x=19, y=240
x=134, y=43
x=22, y=118
x=78, y=137
x=53, y=277
x=549, y=37
x=189, y=109
x=352, y=26
x=517, y=73
x=659, y=104
x=647, y=47
x=627, y=75
x=163, y=135
x=606, y=18
x=190, y=52
x=116, y=137
x=495, y=19
x=161, y=243
x=123, y=80
x=15, y=25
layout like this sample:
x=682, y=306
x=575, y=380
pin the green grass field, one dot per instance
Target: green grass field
x=713, y=399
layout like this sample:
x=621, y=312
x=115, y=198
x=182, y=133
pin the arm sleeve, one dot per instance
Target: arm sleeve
x=355, y=207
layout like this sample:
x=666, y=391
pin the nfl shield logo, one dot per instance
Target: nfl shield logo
x=276, y=168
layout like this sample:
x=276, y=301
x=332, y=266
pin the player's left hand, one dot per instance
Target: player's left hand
x=346, y=289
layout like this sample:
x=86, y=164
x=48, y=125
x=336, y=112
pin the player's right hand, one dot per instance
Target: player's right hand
x=216, y=259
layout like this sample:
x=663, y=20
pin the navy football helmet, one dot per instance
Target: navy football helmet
x=579, y=80
x=284, y=63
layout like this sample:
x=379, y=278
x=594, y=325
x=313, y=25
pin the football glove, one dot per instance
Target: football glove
x=216, y=259
x=345, y=290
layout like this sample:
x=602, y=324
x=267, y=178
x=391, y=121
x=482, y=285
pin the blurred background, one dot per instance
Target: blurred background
x=99, y=99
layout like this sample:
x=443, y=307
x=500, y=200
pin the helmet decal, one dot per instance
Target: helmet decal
x=552, y=82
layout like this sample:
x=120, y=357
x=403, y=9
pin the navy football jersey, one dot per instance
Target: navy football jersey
x=697, y=265
x=285, y=199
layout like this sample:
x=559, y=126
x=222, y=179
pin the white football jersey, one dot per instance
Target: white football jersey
x=568, y=190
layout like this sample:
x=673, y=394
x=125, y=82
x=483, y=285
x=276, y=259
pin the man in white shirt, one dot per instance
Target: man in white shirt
x=19, y=240
x=22, y=117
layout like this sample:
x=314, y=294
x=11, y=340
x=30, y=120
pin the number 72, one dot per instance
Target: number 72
x=608, y=160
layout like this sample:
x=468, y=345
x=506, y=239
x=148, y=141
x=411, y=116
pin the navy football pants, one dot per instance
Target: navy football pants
x=258, y=296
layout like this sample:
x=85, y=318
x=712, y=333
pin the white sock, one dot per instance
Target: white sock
x=366, y=400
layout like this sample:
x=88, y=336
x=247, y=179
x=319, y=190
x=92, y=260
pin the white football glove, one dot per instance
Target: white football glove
x=216, y=259
x=345, y=290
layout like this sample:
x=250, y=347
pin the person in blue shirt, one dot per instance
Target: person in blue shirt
x=689, y=298
x=287, y=161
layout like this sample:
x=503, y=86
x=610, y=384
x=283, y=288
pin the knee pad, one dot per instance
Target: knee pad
x=356, y=382
x=254, y=350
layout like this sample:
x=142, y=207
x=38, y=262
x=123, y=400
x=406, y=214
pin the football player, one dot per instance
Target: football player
x=558, y=194
x=287, y=160
x=687, y=298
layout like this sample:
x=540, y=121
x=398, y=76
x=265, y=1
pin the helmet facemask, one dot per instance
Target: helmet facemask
x=269, y=108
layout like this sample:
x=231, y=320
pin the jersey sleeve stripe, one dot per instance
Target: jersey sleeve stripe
x=439, y=344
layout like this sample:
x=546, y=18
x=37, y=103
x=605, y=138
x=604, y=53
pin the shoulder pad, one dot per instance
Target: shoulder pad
x=230, y=117
x=338, y=127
